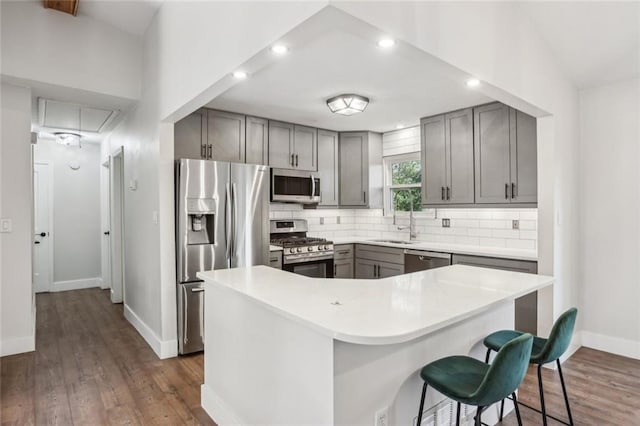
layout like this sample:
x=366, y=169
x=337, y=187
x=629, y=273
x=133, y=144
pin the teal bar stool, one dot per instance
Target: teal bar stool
x=544, y=351
x=469, y=381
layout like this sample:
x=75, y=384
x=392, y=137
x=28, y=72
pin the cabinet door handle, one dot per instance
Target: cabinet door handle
x=506, y=191
x=442, y=193
x=364, y=196
x=210, y=151
x=378, y=271
x=448, y=194
x=292, y=156
x=374, y=271
x=513, y=190
x=203, y=151
x=335, y=270
x=296, y=160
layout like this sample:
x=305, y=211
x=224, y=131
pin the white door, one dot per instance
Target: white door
x=116, y=218
x=42, y=248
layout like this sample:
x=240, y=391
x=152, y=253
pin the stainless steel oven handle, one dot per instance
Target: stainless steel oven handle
x=197, y=290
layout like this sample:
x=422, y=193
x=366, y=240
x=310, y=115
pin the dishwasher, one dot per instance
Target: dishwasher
x=421, y=260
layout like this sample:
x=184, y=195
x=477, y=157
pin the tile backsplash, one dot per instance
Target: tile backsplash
x=477, y=227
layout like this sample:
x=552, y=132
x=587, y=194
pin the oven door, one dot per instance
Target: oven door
x=294, y=186
x=313, y=268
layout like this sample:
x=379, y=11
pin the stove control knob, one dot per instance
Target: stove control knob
x=299, y=249
x=310, y=248
x=321, y=247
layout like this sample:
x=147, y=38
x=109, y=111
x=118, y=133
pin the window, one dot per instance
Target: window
x=402, y=183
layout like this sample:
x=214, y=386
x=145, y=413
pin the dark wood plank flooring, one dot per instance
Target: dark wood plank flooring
x=92, y=368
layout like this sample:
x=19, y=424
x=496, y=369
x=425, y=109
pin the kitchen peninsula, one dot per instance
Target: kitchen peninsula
x=282, y=348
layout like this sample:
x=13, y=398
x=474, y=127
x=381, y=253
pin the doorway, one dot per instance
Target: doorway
x=43, y=228
x=116, y=224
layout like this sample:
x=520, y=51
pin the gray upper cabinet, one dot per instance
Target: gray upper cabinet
x=328, y=167
x=292, y=146
x=257, y=140
x=360, y=169
x=447, y=153
x=505, y=155
x=434, y=158
x=305, y=148
x=280, y=145
x=225, y=136
x=524, y=158
x=190, y=136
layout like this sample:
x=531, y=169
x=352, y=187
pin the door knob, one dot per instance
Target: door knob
x=36, y=242
x=43, y=234
x=106, y=232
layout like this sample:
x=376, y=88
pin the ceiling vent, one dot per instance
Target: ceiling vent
x=67, y=116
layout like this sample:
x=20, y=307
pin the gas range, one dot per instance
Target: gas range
x=291, y=235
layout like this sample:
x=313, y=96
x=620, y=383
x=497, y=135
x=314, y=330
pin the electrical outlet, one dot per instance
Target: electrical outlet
x=322, y=221
x=6, y=225
x=515, y=224
x=446, y=223
x=382, y=417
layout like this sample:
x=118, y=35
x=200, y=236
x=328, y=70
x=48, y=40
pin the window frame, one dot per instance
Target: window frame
x=387, y=161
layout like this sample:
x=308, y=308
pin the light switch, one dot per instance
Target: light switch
x=6, y=225
x=133, y=184
x=155, y=218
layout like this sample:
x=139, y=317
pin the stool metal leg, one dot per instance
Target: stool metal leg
x=515, y=405
x=424, y=392
x=564, y=391
x=544, y=411
x=486, y=359
x=479, y=416
x=501, y=409
x=458, y=415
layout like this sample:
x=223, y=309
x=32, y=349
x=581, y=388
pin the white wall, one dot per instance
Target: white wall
x=48, y=46
x=610, y=217
x=76, y=213
x=17, y=318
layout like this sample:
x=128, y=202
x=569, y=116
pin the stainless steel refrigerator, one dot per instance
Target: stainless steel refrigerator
x=222, y=221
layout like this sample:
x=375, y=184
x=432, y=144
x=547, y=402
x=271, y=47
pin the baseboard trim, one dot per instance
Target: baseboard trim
x=18, y=345
x=216, y=408
x=614, y=345
x=102, y=284
x=75, y=284
x=163, y=348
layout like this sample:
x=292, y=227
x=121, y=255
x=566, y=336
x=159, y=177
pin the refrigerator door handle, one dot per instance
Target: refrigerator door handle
x=185, y=317
x=202, y=317
x=227, y=222
x=234, y=195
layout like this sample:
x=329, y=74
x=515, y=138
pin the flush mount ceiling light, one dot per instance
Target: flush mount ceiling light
x=68, y=139
x=240, y=75
x=473, y=82
x=347, y=104
x=279, y=49
x=386, y=43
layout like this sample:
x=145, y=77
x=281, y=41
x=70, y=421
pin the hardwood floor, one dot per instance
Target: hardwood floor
x=92, y=368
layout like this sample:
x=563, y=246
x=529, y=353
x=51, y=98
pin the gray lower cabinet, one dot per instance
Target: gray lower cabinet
x=526, y=318
x=505, y=148
x=190, y=136
x=447, y=155
x=328, y=168
x=292, y=146
x=225, y=136
x=343, y=261
x=378, y=261
x=360, y=169
x=257, y=141
x=275, y=259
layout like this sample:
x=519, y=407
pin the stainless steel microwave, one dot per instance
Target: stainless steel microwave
x=295, y=186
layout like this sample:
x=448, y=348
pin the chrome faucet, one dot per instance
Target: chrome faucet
x=413, y=234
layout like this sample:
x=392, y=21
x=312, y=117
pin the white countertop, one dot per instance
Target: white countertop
x=503, y=253
x=383, y=311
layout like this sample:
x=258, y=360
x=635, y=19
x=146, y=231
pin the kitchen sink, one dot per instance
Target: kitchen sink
x=393, y=241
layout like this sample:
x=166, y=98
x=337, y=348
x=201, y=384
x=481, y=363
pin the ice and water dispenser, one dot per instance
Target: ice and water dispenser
x=201, y=220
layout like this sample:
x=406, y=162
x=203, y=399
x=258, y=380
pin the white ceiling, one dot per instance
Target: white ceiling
x=338, y=54
x=595, y=43
x=132, y=16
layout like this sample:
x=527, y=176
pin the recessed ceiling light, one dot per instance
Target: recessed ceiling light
x=240, y=75
x=473, y=82
x=279, y=49
x=399, y=126
x=386, y=43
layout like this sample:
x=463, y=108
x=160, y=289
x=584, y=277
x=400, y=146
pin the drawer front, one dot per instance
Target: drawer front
x=380, y=254
x=275, y=259
x=343, y=251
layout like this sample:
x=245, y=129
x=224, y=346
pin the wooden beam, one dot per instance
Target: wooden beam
x=66, y=6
